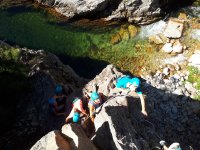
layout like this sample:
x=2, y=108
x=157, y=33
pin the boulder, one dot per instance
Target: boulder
x=78, y=139
x=122, y=126
x=177, y=47
x=167, y=48
x=71, y=8
x=52, y=141
x=134, y=11
x=174, y=28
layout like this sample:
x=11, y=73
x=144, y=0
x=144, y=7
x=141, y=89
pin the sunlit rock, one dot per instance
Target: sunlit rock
x=194, y=60
x=167, y=48
x=182, y=16
x=177, y=47
x=79, y=140
x=52, y=141
x=174, y=28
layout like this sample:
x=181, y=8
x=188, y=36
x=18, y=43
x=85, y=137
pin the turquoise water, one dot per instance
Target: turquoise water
x=86, y=48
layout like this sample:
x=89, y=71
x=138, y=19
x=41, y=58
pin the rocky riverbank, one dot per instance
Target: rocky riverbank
x=140, y=12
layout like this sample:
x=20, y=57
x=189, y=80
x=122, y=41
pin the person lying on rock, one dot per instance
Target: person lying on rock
x=127, y=84
x=77, y=109
x=173, y=146
x=95, y=101
x=57, y=103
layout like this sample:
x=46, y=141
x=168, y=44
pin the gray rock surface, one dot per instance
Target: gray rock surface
x=71, y=137
x=121, y=126
x=79, y=140
x=135, y=11
x=52, y=141
x=33, y=118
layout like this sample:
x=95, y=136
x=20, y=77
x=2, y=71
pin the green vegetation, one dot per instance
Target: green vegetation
x=196, y=3
x=129, y=55
x=9, y=59
x=194, y=77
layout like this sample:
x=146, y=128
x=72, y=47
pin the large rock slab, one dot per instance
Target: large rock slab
x=135, y=11
x=174, y=28
x=121, y=126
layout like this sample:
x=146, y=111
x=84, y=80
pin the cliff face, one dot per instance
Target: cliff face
x=135, y=11
x=119, y=123
x=33, y=118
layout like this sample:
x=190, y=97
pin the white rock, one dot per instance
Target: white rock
x=176, y=76
x=166, y=71
x=174, y=28
x=194, y=60
x=167, y=48
x=177, y=47
x=178, y=92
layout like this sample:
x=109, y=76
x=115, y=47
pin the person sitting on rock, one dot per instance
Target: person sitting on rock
x=95, y=101
x=77, y=109
x=127, y=84
x=57, y=103
x=173, y=146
